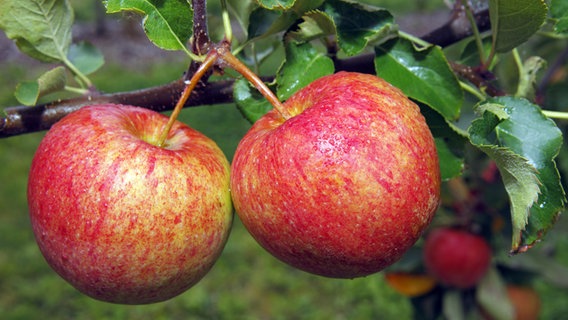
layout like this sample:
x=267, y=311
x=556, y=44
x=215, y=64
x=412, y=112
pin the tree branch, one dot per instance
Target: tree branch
x=201, y=41
x=458, y=27
x=21, y=119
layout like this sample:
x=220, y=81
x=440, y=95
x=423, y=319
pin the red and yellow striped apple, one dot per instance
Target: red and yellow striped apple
x=123, y=219
x=344, y=186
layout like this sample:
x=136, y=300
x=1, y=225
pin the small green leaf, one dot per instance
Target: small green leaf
x=41, y=29
x=495, y=108
x=357, y=25
x=514, y=21
x=524, y=145
x=29, y=92
x=528, y=77
x=249, y=101
x=86, y=57
x=265, y=22
x=423, y=75
x=276, y=4
x=315, y=24
x=303, y=65
x=167, y=23
x=559, y=12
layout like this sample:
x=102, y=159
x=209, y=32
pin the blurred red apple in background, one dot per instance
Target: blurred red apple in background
x=345, y=186
x=456, y=257
x=120, y=218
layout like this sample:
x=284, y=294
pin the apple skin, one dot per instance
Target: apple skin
x=121, y=219
x=455, y=257
x=344, y=187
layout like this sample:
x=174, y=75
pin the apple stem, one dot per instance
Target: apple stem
x=225, y=54
x=211, y=58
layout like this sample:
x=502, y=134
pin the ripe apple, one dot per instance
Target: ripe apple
x=343, y=187
x=120, y=218
x=456, y=257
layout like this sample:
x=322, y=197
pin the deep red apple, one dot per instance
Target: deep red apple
x=456, y=257
x=343, y=187
x=120, y=218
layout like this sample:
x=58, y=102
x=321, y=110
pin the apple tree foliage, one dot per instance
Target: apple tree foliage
x=455, y=81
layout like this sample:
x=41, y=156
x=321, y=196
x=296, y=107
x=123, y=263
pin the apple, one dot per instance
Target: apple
x=456, y=257
x=526, y=302
x=120, y=218
x=344, y=186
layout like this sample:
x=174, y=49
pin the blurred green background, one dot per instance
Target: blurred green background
x=246, y=282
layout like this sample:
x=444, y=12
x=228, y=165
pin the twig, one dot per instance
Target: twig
x=458, y=28
x=477, y=77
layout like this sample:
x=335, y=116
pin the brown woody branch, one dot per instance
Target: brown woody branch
x=21, y=119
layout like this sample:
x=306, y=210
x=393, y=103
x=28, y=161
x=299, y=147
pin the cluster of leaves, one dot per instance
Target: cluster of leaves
x=42, y=30
x=512, y=130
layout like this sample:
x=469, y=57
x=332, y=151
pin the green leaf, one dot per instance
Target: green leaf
x=276, y=4
x=41, y=29
x=265, y=22
x=167, y=23
x=249, y=101
x=356, y=25
x=559, y=12
x=86, y=57
x=524, y=143
x=450, y=143
x=519, y=176
x=514, y=21
x=528, y=77
x=423, y=75
x=29, y=92
x=303, y=65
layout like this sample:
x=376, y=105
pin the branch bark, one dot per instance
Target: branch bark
x=22, y=119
